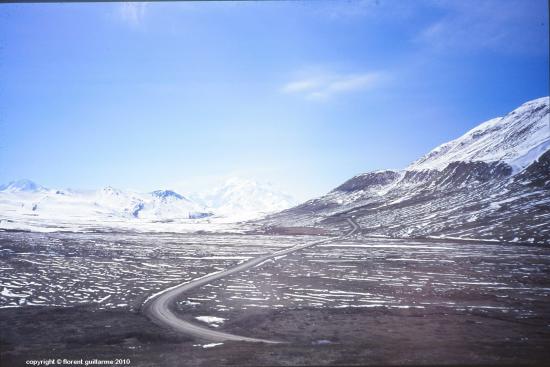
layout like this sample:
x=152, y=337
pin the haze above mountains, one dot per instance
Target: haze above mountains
x=491, y=183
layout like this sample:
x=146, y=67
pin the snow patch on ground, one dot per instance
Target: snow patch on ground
x=211, y=320
x=211, y=345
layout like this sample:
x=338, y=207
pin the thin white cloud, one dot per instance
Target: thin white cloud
x=351, y=10
x=346, y=9
x=301, y=86
x=132, y=13
x=320, y=87
x=510, y=26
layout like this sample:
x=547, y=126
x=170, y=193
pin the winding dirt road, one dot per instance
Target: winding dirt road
x=158, y=307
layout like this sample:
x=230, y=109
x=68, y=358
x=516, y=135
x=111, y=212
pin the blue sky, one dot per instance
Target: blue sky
x=301, y=94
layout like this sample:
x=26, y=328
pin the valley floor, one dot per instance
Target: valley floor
x=363, y=301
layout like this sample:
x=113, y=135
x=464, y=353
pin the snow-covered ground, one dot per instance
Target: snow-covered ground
x=390, y=274
x=117, y=270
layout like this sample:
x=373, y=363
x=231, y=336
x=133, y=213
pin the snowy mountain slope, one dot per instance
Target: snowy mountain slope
x=22, y=185
x=107, y=202
x=245, y=199
x=25, y=204
x=490, y=183
x=517, y=139
x=167, y=204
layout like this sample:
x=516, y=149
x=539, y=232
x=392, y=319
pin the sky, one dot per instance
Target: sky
x=301, y=94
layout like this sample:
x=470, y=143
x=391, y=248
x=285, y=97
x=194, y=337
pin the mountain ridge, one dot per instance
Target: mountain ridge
x=491, y=140
x=453, y=190
x=26, y=201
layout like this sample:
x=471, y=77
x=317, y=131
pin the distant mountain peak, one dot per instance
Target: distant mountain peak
x=22, y=185
x=245, y=198
x=165, y=194
x=109, y=190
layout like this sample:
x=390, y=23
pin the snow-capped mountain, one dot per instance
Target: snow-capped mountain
x=102, y=206
x=22, y=185
x=245, y=199
x=169, y=205
x=517, y=139
x=27, y=205
x=493, y=183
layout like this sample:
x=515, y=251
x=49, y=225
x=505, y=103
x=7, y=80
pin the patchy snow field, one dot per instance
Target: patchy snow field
x=115, y=270
x=360, y=299
x=510, y=281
